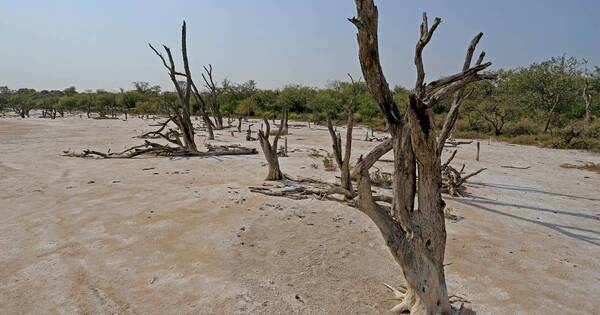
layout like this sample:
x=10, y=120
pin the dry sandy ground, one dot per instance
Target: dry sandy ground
x=185, y=236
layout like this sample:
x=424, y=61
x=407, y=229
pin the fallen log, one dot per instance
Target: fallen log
x=150, y=148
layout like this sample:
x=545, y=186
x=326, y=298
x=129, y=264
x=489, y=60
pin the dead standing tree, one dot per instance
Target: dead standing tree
x=270, y=150
x=416, y=237
x=213, y=91
x=344, y=162
x=181, y=111
x=183, y=138
x=202, y=111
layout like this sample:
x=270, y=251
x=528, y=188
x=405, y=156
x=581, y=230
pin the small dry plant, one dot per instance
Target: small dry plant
x=381, y=179
x=328, y=164
x=588, y=166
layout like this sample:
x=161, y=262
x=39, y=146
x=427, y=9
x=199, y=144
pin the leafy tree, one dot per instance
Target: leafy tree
x=550, y=86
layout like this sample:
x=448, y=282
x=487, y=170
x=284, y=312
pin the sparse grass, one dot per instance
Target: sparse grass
x=539, y=140
x=449, y=214
x=588, y=166
x=315, y=154
x=381, y=179
x=328, y=164
x=274, y=132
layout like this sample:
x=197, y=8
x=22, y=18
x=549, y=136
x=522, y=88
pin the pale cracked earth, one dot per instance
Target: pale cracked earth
x=185, y=236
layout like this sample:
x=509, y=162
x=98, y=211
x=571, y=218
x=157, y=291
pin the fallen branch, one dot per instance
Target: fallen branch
x=517, y=167
x=150, y=148
x=304, y=188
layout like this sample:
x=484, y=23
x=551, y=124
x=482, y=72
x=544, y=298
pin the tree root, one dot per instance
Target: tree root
x=402, y=294
x=407, y=300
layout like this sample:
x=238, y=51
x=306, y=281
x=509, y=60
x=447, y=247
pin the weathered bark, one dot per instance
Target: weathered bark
x=270, y=150
x=415, y=237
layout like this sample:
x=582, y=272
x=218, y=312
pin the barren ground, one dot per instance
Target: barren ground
x=185, y=236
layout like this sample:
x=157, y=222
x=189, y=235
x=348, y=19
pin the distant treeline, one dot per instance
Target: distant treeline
x=552, y=103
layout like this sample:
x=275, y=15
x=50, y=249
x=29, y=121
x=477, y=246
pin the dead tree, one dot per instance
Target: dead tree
x=416, y=237
x=249, y=133
x=270, y=150
x=183, y=136
x=344, y=162
x=213, y=91
x=181, y=111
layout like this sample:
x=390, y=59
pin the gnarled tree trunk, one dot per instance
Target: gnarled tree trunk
x=270, y=150
x=416, y=237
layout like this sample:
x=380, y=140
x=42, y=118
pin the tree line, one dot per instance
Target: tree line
x=552, y=102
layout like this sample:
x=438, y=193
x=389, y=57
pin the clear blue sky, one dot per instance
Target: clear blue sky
x=102, y=44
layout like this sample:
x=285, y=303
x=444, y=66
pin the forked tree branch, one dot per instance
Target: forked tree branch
x=366, y=24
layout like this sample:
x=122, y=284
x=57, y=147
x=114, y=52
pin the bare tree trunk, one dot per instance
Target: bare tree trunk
x=551, y=113
x=215, y=109
x=270, y=150
x=415, y=237
x=239, y=126
x=184, y=91
x=587, y=98
x=344, y=162
x=209, y=126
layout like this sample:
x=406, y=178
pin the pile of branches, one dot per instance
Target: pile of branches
x=453, y=179
x=301, y=188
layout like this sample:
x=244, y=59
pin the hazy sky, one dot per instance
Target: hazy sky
x=103, y=44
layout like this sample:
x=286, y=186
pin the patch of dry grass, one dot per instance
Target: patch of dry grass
x=328, y=164
x=588, y=166
x=381, y=179
x=449, y=214
x=315, y=154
